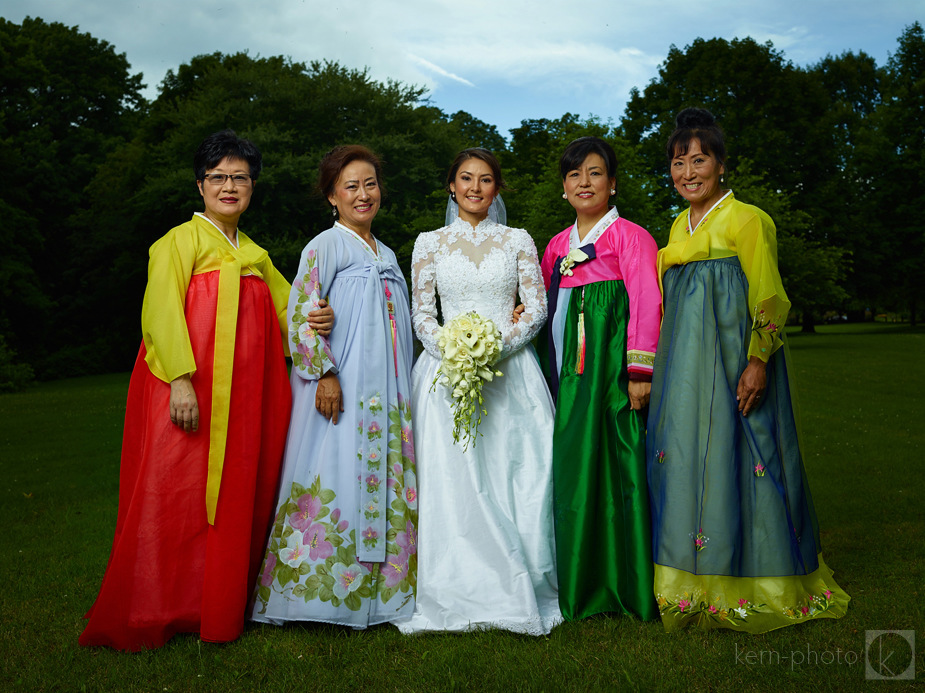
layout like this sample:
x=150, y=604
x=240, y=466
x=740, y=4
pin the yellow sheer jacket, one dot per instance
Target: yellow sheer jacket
x=192, y=248
x=197, y=247
x=735, y=229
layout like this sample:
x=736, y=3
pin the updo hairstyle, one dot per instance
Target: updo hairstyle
x=696, y=124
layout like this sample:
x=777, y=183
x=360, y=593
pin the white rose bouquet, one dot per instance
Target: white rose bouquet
x=470, y=345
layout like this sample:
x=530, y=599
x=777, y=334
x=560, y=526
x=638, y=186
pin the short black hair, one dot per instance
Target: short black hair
x=697, y=124
x=220, y=145
x=578, y=150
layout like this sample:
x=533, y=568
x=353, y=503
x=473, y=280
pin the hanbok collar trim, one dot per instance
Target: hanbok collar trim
x=716, y=205
x=233, y=244
x=596, y=232
x=366, y=246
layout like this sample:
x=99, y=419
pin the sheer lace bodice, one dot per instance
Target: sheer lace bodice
x=482, y=269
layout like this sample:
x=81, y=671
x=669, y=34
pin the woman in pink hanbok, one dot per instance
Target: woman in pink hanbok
x=602, y=332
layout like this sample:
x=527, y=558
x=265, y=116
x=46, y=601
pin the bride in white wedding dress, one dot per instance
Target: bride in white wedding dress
x=486, y=551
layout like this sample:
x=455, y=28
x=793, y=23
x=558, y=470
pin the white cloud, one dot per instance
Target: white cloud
x=582, y=58
x=439, y=70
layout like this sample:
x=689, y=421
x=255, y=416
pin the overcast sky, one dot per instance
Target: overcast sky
x=501, y=60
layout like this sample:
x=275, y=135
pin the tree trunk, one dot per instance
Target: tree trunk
x=809, y=322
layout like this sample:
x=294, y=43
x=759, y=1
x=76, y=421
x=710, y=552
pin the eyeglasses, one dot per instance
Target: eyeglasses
x=241, y=179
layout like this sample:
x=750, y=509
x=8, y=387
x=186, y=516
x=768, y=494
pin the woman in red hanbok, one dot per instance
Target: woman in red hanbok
x=205, y=424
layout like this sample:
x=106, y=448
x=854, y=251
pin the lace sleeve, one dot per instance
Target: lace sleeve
x=424, y=292
x=531, y=291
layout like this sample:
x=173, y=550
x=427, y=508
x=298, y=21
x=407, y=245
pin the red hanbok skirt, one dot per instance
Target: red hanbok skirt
x=170, y=571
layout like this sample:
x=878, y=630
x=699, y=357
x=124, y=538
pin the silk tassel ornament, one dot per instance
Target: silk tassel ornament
x=580, y=361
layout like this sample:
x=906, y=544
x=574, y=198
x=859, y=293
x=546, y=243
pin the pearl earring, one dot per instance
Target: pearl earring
x=564, y=196
x=613, y=191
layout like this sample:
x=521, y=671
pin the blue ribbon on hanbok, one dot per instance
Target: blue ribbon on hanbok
x=377, y=371
x=553, y=300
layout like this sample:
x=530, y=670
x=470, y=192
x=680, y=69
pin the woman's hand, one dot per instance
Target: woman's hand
x=328, y=398
x=638, y=391
x=518, y=311
x=322, y=319
x=184, y=407
x=752, y=385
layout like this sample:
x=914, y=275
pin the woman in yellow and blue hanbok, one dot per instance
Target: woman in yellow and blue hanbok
x=735, y=536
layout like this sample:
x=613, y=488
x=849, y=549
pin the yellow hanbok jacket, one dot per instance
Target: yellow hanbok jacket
x=197, y=247
x=736, y=229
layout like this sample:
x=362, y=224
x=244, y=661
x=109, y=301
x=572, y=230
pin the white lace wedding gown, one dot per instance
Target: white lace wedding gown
x=486, y=548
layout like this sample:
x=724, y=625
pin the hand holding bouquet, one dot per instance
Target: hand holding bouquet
x=470, y=345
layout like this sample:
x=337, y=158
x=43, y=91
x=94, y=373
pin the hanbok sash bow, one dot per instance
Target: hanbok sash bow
x=234, y=261
x=562, y=265
x=373, y=430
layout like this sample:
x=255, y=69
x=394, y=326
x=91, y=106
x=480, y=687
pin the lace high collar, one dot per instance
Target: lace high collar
x=486, y=227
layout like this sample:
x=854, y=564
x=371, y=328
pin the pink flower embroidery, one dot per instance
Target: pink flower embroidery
x=309, y=507
x=683, y=604
x=712, y=609
x=407, y=443
x=314, y=539
x=395, y=568
x=408, y=540
x=266, y=578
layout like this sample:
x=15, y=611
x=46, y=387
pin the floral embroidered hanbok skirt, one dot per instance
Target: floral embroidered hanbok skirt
x=170, y=571
x=311, y=570
x=735, y=537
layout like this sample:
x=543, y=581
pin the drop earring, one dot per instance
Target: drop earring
x=564, y=196
x=334, y=211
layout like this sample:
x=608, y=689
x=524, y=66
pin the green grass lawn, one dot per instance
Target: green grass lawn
x=862, y=404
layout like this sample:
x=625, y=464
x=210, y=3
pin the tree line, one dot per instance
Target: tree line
x=94, y=173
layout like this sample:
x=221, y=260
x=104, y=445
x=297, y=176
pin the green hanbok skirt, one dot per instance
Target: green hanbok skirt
x=601, y=503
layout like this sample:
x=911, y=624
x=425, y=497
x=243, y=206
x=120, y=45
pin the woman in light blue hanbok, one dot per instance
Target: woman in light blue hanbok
x=343, y=548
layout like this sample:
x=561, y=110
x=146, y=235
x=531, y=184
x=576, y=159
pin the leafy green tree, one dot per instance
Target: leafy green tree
x=66, y=100
x=478, y=133
x=295, y=113
x=896, y=173
x=813, y=272
x=852, y=81
x=775, y=116
x=767, y=106
x=532, y=166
